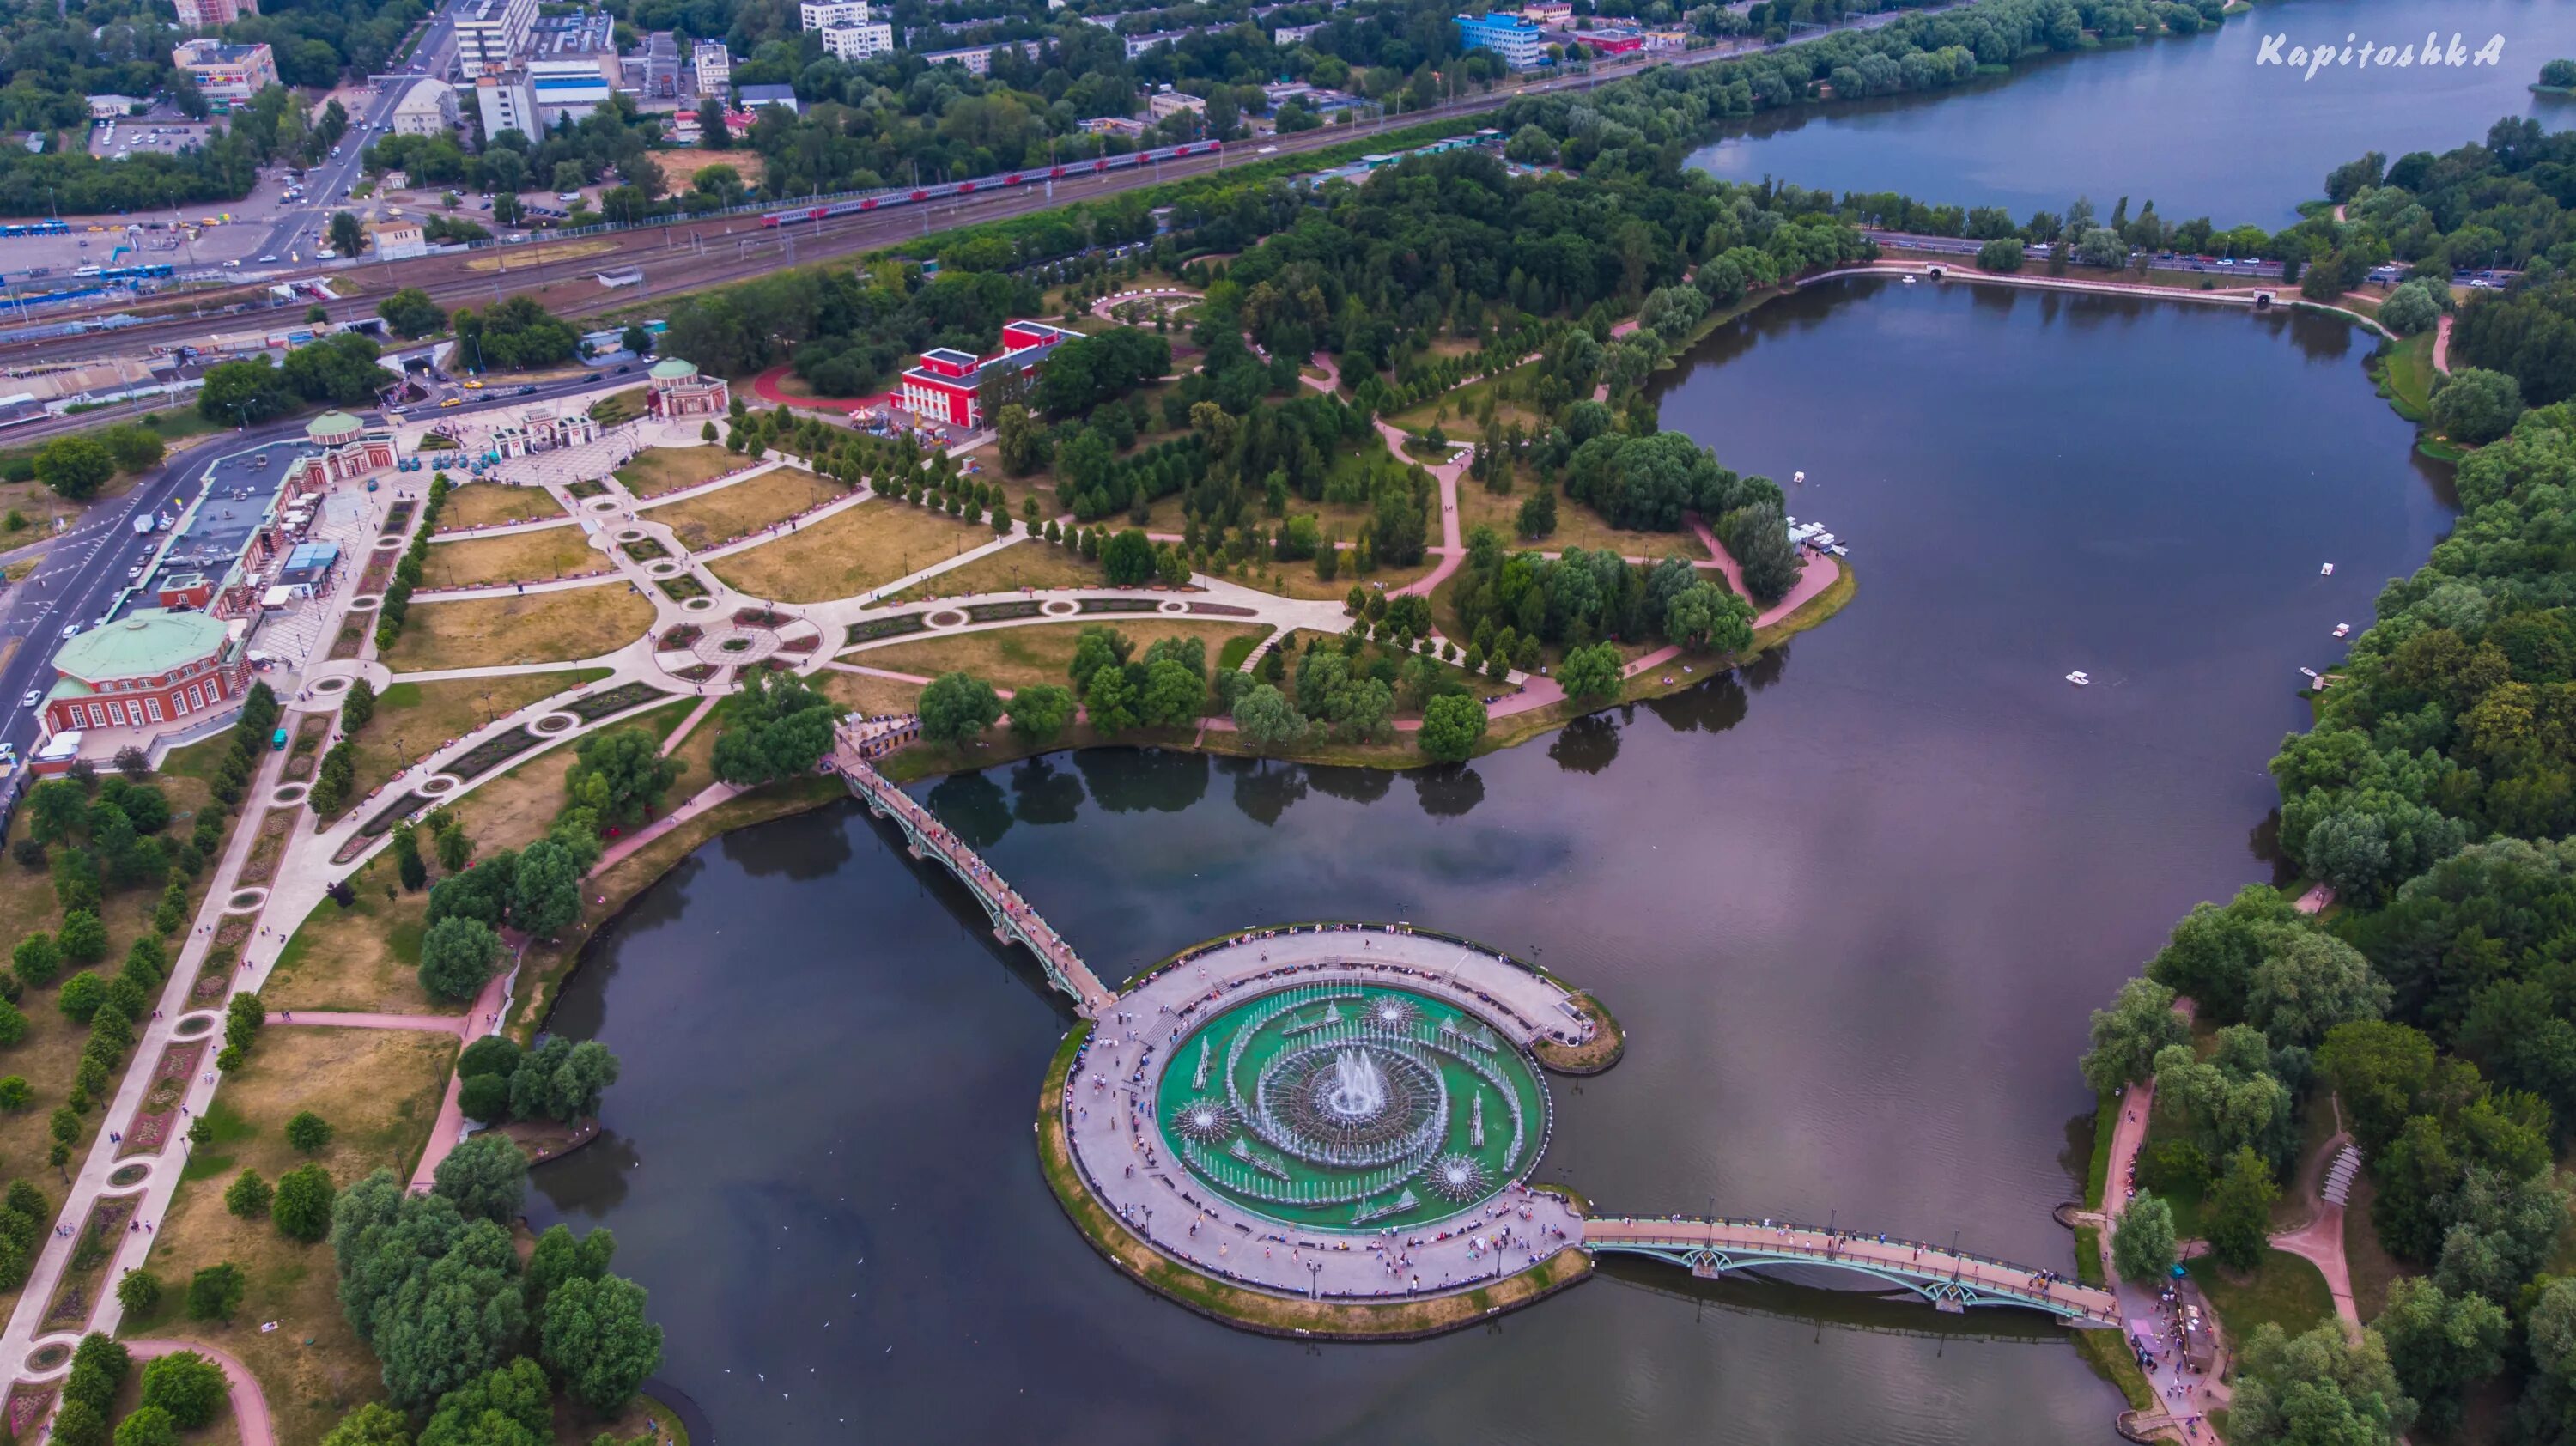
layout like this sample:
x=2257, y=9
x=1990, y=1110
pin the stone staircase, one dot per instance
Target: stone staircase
x=2339, y=1173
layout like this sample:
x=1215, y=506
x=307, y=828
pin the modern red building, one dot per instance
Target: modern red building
x=942, y=388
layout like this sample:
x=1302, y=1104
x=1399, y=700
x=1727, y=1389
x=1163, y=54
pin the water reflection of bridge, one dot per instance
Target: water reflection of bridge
x=856, y=744
x=1951, y=1280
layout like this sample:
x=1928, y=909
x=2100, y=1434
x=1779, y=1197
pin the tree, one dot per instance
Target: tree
x=596, y=1337
x=187, y=1385
x=1451, y=725
x=247, y=1196
x=2475, y=406
x=1708, y=617
x=558, y=1257
x=1592, y=672
x=2438, y=1344
x=147, y=1425
x=486, y=1178
x=308, y=1132
x=956, y=707
x=83, y=938
x=456, y=955
x=511, y=1406
x=776, y=727
x=620, y=777
x=238, y=393
x=2378, y=1070
x=1128, y=559
x=373, y=1424
x=302, y=1208
x=545, y=895
x=1040, y=711
x=411, y=313
x=348, y=237
x=2238, y=1213
x=2308, y=983
x=2127, y=1036
x=1265, y=718
x=138, y=1291
x=215, y=1292
x=37, y=960
x=135, y=449
x=636, y=339
x=75, y=467
x=2003, y=254
x=1110, y=701
x=2413, y=307
x=2142, y=1245
x=2316, y=1388
x=1537, y=516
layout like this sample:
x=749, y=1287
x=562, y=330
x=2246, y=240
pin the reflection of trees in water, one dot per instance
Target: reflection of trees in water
x=810, y=845
x=973, y=807
x=591, y=1181
x=1264, y=790
x=2318, y=338
x=1766, y=669
x=1586, y=745
x=1359, y=785
x=1138, y=780
x=1042, y=793
x=1448, y=792
x=1712, y=707
x=1906, y=1314
x=2263, y=841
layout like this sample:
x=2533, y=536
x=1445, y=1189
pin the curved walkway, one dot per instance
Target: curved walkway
x=250, y=1407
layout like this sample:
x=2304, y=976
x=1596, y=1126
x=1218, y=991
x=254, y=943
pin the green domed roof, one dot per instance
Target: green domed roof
x=672, y=369
x=333, y=424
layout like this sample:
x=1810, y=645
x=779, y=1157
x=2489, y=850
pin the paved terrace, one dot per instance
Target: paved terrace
x=1117, y=1144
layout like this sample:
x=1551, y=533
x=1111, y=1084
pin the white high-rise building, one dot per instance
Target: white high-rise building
x=831, y=14
x=858, y=42
x=491, y=35
x=508, y=103
x=714, y=66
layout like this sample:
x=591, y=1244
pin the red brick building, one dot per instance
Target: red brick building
x=150, y=668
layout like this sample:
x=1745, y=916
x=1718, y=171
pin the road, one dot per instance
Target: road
x=301, y=228
x=85, y=567
x=683, y=256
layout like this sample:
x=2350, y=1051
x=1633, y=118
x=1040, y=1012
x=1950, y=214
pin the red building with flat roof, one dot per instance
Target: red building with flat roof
x=942, y=388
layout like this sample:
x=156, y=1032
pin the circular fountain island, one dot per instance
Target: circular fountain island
x=1324, y=1131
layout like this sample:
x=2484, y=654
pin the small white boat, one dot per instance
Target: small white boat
x=2308, y=673
x=2326, y=571
x=2343, y=630
x=2080, y=679
x=1839, y=550
x=1800, y=479
x=1909, y=280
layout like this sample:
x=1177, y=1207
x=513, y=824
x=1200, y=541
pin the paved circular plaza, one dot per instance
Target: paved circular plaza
x=1340, y=1112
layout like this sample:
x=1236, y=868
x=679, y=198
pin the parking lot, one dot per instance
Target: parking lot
x=137, y=135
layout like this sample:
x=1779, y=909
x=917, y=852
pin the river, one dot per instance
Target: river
x=2193, y=124
x=1853, y=908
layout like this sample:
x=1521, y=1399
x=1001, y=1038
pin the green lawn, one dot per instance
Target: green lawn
x=2284, y=1290
x=2406, y=376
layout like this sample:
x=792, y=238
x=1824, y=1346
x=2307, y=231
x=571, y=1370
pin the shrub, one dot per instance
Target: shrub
x=138, y=1292
x=215, y=1292
x=248, y=1195
x=308, y=1131
x=187, y=1385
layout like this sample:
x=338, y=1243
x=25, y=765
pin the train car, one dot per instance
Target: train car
x=1100, y=165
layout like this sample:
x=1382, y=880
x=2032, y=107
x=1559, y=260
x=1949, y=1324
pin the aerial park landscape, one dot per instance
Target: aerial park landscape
x=1507, y=788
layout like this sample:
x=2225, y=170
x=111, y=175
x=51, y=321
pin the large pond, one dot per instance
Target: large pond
x=1853, y=907
x=2193, y=124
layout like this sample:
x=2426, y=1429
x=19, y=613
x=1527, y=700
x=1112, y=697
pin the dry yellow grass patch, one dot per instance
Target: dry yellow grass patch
x=657, y=470
x=1039, y=653
x=539, y=627
x=719, y=515
x=540, y=255
x=363, y=958
x=542, y=556
x=849, y=552
x=413, y=719
x=380, y=1089
x=861, y=694
x=483, y=504
x=1030, y=563
x=680, y=168
x=1298, y=580
x=1576, y=525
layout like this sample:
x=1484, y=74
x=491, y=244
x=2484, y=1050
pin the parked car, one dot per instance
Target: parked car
x=34, y=697
x=70, y=628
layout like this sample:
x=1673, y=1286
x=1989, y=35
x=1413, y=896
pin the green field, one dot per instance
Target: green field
x=1386, y=1108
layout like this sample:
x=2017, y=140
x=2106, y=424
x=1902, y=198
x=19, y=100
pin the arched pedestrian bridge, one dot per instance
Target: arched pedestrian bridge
x=1951, y=1280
